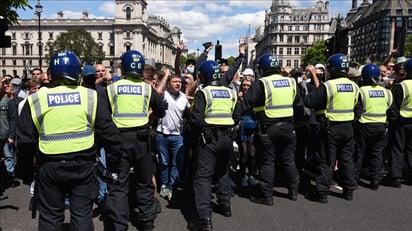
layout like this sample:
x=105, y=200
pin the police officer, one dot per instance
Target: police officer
x=335, y=101
x=276, y=100
x=400, y=128
x=64, y=120
x=370, y=125
x=213, y=115
x=130, y=99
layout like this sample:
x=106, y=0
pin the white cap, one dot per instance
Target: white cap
x=317, y=66
x=401, y=59
x=248, y=71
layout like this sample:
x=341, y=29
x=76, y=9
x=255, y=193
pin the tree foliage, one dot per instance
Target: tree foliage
x=81, y=43
x=315, y=54
x=408, y=46
x=8, y=9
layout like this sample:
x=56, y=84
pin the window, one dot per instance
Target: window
x=4, y=72
x=127, y=47
x=128, y=13
x=282, y=18
x=111, y=36
x=26, y=35
x=289, y=51
x=27, y=49
x=3, y=62
x=305, y=28
x=281, y=38
x=295, y=63
x=14, y=50
x=296, y=50
x=13, y=35
x=280, y=63
x=112, y=50
x=289, y=28
x=14, y=62
x=100, y=35
x=303, y=50
x=50, y=35
x=288, y=63
x=280, y=50
x=297, y=39
x=297, y=28
x=3, y=51
x=128, y=34
x=289, y=39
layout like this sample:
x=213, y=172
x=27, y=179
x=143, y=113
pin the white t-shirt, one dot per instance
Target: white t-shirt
x=172, y=122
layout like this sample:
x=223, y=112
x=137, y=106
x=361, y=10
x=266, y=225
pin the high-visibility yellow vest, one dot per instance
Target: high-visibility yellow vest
x=280, y=92
x=406, y=105
x=64, y=117
x=220, y=104
x=129, y=100
x=342, y=96
x=376, y=100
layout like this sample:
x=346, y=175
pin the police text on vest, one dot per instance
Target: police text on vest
x=376, y=94
x=344, y=87
x=129, y=90
x=220, y=94
x=63, y=99
x=281, y=83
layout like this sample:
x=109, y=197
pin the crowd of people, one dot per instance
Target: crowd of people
x=80, y=135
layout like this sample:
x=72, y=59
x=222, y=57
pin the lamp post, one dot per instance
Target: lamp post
x=39, y=10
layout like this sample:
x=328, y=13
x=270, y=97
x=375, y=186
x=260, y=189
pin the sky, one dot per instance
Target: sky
x=199, y=20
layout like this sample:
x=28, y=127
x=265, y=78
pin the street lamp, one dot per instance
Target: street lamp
x=39, y=10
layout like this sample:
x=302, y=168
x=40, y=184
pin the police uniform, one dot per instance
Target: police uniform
x=213, y=115
x=64, y=121
x=400, y=132
x=335, y=101
x=276, y=100
x=370, y=133
x=130, y=100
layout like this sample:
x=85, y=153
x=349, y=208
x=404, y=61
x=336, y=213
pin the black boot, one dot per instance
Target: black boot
x=203, y=224
x=348, y=194
x=315, y=196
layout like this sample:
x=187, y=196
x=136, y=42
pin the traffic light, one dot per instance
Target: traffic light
x=5, y=41
x=330, y=47
x=342, y=47
x=218, y=52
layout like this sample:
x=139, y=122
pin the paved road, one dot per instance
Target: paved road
x=386, y=209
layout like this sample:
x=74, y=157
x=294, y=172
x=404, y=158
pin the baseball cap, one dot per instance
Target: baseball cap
x=89, y=70
x=248, y=71
x=16, y=81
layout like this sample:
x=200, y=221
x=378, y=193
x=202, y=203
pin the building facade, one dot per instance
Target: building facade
x=378, y=26
x=289, y=31
x=130, y=29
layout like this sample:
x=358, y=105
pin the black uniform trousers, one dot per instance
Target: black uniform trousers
x=76, y=178
x=337, y=143
x=370, y=142
x=278, y=145
x=137, y=148
x=401, y=149
x=212, y=163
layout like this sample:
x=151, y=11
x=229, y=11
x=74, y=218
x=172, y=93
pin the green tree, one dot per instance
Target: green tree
x=315, y=54
x=8, y=9
x=408, y=45
x=81, y=43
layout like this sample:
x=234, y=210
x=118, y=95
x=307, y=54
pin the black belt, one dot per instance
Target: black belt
x=43, y=158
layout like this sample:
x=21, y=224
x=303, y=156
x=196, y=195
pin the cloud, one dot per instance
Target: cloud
x=108, y=8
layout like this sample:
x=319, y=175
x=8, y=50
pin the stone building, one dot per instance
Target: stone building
x=130, y=29
x=289, y=31
x=378, y=26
